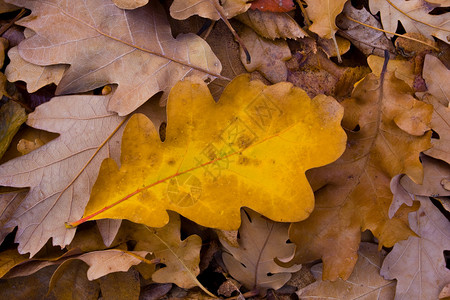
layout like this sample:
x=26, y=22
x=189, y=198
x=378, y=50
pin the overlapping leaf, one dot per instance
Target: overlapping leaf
x=183, y=9
x=104, y=44
x=323, y=15
x=62, y=172
x=386, y=134
x=249, y=149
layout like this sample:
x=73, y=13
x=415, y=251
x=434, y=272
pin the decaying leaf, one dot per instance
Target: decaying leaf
x=5, y=7
x=35, y=76
x=414, y=15
x=121, y=285
x=183, y=9
x=9, y=202
x=364, y=283
x=323, y=14
x=418, y=263
x=403, y=69
x=62, y=172
x=272, y=25
x=268, y=57
x=368, y=40
x=273, y=5
x=180, y=257
x=12, y=116
x=9, y=259
x=133, y=49
x=261, y=241
x=218, y=157
x=353, y=194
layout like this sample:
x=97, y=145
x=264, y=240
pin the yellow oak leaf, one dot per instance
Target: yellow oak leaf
x=323, y=15
x=251, y=148
x=385, y=138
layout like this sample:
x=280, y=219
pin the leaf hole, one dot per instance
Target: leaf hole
x=162, y=131
x=357, y=128
x=435, y=135
x=270, y=274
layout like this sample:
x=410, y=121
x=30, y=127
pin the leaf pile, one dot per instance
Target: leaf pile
x=215, y=149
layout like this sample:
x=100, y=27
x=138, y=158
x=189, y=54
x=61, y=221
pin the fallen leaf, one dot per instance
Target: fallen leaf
x=368, y=40
x=414, y=15
x=9, y=201
x=133, y=49
x=400, y=195
x=35, y=76
x=268, y=57
x=208, y=168
x=364, y=283
x=272, y=25
x=181, y=258
x=435, y=173
x=108, y=229
x=403, y=69
x=261, y=241
x=130, y=4
x=323, y=14
x=436, y=76
x=183, y=9
x=273, y=5
x=12, y=116
x=353, y=194
x=121, y=285
x=60, y=173
x=9, y=259
x=69, y=281
x=5, y=7
x=418, y=263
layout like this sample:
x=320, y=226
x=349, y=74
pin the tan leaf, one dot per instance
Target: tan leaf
x=130, y=4
x=323, y=14
x=272, y=25
x=418, y=263
x=9, y=202
x=368, y=40
x=62, y=172
x=364, y=283
x=353, y=193
x=400, y=195
x=414, y=15
x=12, y=116
x=436, y=76
x=121, y=285
x=261, y=241
x=403, y=69
x=35, y=76
x=108, y=229
x=268, y=57
x=133, y=49
x=436, y=173
x=5, y=7
x=9, y=259
x=183, y=9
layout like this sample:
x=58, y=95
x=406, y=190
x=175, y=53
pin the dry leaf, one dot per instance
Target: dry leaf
x=121, y=285
x=12, y=116
x=418, y=263
x=364, y=283
x=9, y=259
x=436, y=76
x=268, y=57
x=403, y=69
x=273, y=5
x=272, y=25
x=261, y=241
x=133, y=49
x=368, y=40
x=108, y=229
x=353, y=194
x=60, y=173
x=208, y=168
x=400, y=195
x=436, y=173
x=130, y=4
x=414, y=15
x=323, y=14
x=35, y=76
x=180, y=257
x=183, y=9
x=9, y=202
x=5, y=7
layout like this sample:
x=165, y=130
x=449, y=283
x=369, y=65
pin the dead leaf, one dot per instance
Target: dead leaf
x=208, y=168
x=323, y=14
x=435, y=174
x=418, y=263
x=353, y=193
x=9, y=259
x=35, y=76
x=133, y=49
x=12, y=116
x=61, y=173
x=121, y=285
x=108, y=229
x=268, y=57
x=272, y=25
x=261, y=241
x=414, y=15
x=273, y=5
x=436, y=76
x=403, y=69
x=5, y=7
x=130, y=4
x=9, y=202
x=401, y=195
x=183, y=9
x=368, y=40
x=364, y=283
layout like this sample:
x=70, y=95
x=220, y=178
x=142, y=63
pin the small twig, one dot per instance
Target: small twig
x=16, y=18
x=249, y=294
x=338, y=54
x=223, y=16
x=305, y=15
x=385, y=31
